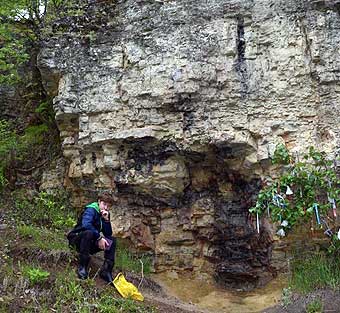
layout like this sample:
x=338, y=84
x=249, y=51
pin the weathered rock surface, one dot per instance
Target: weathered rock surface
x=178, y=105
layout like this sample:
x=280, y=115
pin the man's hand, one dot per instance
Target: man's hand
x=105, y=214
x=102, y=243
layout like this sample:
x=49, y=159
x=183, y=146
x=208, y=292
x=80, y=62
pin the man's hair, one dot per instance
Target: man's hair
x=106, y=197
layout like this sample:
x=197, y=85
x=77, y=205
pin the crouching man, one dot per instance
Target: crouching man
x=93, y=233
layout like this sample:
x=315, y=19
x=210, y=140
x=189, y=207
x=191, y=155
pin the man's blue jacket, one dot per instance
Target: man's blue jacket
x=92, y=220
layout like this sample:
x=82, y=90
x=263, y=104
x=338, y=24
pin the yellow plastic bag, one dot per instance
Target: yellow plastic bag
x=126, y=289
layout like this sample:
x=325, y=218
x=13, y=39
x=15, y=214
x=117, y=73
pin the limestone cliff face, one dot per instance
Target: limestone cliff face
x=178, y=105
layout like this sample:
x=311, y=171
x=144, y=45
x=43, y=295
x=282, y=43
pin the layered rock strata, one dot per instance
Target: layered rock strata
x=177, y=106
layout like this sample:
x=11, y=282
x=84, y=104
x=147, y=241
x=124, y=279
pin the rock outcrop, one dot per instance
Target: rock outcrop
x=177, y=107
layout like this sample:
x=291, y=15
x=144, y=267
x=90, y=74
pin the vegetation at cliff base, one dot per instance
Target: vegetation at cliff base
x=315, y=271
x=18, y=150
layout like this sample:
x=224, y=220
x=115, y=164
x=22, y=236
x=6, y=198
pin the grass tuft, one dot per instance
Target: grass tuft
x=126, y=260
x=35, y=275
x=315, y=306
x=316, y=271
x=109, y=304
x=44, y=209
x=42, y=238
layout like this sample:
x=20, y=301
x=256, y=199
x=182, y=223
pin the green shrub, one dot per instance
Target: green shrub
x=28, y=231
x=311, y=183
x=45, y=111
x=34, y=135
x=15, y=149
x=334, y=247
x=52, y=209
x=316, y=306
x=281, y=155
x=45, y=209
x=35, y=275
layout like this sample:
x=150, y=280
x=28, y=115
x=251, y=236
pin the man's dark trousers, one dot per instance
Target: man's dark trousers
x=86, y=245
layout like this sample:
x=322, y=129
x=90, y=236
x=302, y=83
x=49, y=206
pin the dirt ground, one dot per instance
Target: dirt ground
x=155, y=296
x=299, y=303
x=296, y=303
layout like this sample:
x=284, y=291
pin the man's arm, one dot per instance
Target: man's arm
x=107, y=229
x=87, y=221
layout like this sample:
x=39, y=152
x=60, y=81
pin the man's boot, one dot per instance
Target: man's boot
x=82, y=267
x=106, y=271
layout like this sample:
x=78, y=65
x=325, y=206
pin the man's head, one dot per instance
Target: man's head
x=105, y=201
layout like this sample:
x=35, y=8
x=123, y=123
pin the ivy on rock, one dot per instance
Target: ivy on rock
x=307, y=190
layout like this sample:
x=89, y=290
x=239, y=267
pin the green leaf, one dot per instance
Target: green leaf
x=281, y=155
